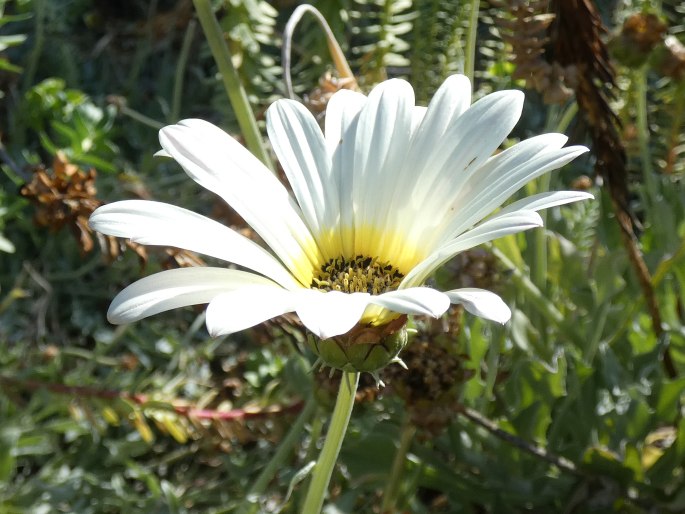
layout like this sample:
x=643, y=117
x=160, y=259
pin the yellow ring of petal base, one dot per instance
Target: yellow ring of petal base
x=386, y=245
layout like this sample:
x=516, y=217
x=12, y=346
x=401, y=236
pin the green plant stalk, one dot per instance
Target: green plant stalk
x=250, y=503
x=678, y=113
x=392, y=488
x=492, y=362
x=538, y=271
x=140, y=118
x=661, y=271
x=314, y=435
x=665, y=266
x=39, y=41
x=383, y=50
x=596, y=338
x=177, y=94
x=567, y=117
x=532, y=292
x=640, y=79
x=323, y=469
x=470, y=54
x=539, y=265
x=539, y=301
x=29, y=73
x=231, y=80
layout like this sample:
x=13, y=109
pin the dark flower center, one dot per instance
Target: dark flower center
x=358, y=275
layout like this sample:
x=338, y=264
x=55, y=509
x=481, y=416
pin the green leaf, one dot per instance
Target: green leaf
x=9, y=436
x=9, y=41
x=604, y=462
x=669, y=394
x=5, y=65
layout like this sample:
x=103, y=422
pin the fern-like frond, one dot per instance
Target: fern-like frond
x=249, y=26
x=437, y=43
x=379, y=44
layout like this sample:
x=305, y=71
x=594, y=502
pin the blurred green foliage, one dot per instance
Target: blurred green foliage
x=566, y=409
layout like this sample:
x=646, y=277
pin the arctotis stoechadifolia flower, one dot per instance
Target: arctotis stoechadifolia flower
x=389, y=193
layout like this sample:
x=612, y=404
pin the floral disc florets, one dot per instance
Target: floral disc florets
x=364, y=348
x=359, y=275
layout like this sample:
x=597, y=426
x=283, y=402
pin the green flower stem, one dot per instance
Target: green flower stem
x=250, y=504
x=180, y=72
x=229, y=75
x=323, y=469
x=392, y=487
x=470, y=54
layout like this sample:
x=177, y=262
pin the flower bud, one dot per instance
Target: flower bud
x=364, y=348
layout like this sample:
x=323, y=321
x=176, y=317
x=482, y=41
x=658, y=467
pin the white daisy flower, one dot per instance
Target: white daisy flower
x=387, y=194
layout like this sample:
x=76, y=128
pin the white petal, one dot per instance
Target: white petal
x=466, y=143
x=162, y=153
x=218, y=162
x=480, y=302
x=342, y=116
x=506, y=173
x=414, y=300
x=493, y=228
x=546, y=200
x=438, y=171
x=450, y=101
x=417, y=115
x=176, y=288
x=299, y=144
x=381, y=143
x=341, y=112
x=329, y=314
x=156, y=223
x=479, y=132
x=246, y=307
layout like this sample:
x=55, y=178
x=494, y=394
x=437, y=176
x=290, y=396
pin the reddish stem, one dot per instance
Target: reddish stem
x=141, y=399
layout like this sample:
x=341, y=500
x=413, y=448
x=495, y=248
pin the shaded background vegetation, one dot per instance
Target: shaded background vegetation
x=575, y=406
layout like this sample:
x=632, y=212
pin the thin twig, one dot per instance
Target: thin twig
x=535, y=450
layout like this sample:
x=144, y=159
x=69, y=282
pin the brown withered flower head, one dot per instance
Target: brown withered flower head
x=435, y=374
x=640, y=34
x=64, y=196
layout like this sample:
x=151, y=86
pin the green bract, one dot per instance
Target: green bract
x=356, y=352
